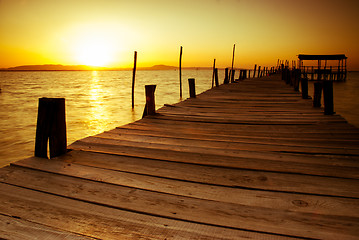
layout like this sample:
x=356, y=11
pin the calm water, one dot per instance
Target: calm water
x=95, y=102
x=100, y=101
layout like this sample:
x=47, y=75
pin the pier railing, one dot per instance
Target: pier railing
x=332, y=73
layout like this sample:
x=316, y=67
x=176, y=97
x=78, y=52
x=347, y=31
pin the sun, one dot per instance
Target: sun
x=94, y=51
x=93, y=45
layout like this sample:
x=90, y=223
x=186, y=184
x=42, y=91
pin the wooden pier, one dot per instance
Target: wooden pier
x=247, y=160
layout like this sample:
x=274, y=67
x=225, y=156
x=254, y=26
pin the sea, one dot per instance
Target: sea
x=97, y=101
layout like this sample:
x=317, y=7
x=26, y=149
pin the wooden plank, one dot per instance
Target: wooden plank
x=315, y=128
x=195, y=210
x=225, y=135
x=227, y=177
x=102, y=222
x=15, y=228
x=243, y=153
x=290, y=139
x=279, y=164
x=276, y=200
x=226, y=144
x=233, y=152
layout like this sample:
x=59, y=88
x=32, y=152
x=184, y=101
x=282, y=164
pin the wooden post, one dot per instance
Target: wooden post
x=133, y=79
x=296, y=79
x=304, y=85
x=150, y=107
x=216, y=77
x=259, y=71
x=213, y=73
x=226, y=79
x=249, y=73
x=318, y=87
x=254, y=70
x=331, y=74
x=312, y=73
x=232, y=71
x=345, y=73
x=192, y=87
x=51, y=128
x=328, y=97
x=180, y=71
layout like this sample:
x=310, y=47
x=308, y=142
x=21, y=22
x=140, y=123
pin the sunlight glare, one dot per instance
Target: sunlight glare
x=94, y=45
x=94, y=52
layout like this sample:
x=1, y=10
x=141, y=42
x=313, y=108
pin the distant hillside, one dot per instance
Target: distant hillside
x=59, y=67
x=51, y=67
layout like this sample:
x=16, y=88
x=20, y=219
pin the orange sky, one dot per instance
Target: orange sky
x=106, y=32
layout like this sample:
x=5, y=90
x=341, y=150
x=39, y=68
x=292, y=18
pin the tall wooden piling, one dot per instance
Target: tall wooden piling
x=133, y=78
x=214, y=70
x=232, y=75
x=180, y=71
x=232, y=71
x=51, y=128
x=226, y=77
x=296, y=79
x=192, y=87
x=328, y=97
x=259, y=71
x=304, y=85
x=216, y=77
x=318, y=88
x=150, y=107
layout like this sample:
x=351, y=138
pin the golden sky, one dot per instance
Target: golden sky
x=107, y=32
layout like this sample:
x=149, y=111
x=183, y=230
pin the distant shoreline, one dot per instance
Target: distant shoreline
x=38, y=68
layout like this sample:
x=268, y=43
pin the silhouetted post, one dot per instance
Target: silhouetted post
x=216, y=77
x=226, y=80
x=232, y=71
x=213, y=73
x=259, y=71
x=180, y=71
x=304, y=84
x=51, y=128
x=192, y=87
x=249, y=73
x=133, y=79
x=328, y=97
x=254, y=70
x=312, y=73
x=232, y=75
x=150, y=107
x=296, y=79
x=318, y=87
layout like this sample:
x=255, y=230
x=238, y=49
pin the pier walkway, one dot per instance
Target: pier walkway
x=248, y=160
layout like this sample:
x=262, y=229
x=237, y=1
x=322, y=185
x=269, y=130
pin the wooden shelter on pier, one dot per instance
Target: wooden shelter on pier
x=324, y=71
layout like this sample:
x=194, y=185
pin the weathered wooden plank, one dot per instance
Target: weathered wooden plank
x=226, y=144
x=271, y=163
x=255, y=121
x=290, y=139
x=15, y=228
x=315, y=128
x=194, y=210
x=169, y=184
x=102, y=222
x=226, y=135
x=234, y=177
x=234, y=152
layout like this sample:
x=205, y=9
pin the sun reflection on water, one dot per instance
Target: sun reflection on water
x=98, y=115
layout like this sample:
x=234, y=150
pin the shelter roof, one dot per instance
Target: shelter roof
x=322, y=57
